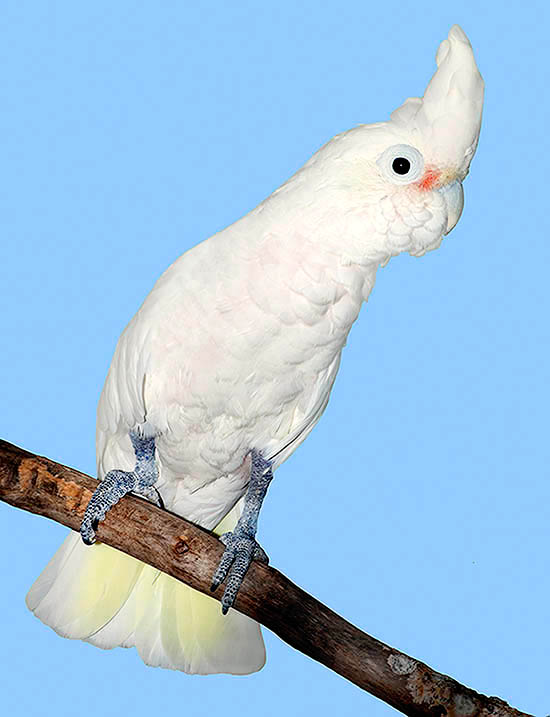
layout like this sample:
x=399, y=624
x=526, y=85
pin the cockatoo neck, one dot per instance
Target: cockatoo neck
x=320, y=237
x=347, y=229
x=305, y=267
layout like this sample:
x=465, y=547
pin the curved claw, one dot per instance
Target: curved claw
x=160, y=502
x=150, y=493
x=153, y=495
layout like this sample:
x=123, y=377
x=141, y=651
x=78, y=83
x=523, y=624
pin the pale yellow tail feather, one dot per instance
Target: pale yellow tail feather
x=105, y=597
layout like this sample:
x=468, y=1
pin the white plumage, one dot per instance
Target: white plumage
x=237, y=348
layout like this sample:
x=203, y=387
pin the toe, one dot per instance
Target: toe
x=240, y=566
x=223, y=568
x=239, y=552
x=87, y=532
x=260, y=555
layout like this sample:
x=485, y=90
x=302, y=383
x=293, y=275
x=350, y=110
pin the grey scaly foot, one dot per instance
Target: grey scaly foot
x=117, y=484
x=241, y=547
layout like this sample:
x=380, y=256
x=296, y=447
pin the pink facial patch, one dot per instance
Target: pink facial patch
x=429, y=179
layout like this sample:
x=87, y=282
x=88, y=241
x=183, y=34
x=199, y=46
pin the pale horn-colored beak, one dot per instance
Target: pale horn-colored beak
x=453, y=196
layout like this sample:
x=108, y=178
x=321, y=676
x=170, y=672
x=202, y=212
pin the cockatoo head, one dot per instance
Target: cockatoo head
x=406, y=174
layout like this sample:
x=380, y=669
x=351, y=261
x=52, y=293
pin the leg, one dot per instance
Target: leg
x=240, y=545
x=117, y=484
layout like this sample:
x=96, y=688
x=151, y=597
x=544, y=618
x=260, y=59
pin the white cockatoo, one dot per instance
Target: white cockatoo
x=229, y=363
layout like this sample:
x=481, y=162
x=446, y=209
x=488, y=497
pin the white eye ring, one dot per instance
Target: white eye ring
x=401, y=164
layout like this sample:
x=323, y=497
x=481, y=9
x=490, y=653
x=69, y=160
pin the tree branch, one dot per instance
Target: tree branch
x=191, y=554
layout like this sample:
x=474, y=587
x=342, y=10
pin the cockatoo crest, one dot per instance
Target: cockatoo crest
x=447, y=120
x=402, y=179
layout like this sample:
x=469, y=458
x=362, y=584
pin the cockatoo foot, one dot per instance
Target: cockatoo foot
x=117, y=484
x=241, y=547
x=240, y=550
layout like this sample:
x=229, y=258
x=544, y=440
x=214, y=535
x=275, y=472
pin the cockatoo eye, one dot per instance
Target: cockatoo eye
x=401, y=164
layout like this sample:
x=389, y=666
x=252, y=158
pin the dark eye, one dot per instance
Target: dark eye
x=401, y=165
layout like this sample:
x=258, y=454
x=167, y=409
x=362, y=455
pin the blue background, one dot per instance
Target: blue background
x=131, y=131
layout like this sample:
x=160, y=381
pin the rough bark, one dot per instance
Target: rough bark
x=191, y=554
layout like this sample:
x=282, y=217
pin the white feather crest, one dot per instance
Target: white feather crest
x=448, y=117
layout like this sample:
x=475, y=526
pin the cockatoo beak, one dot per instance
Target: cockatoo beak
x=453, y=196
